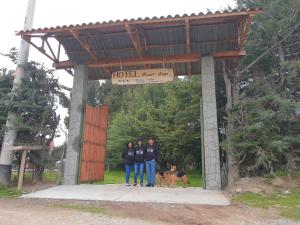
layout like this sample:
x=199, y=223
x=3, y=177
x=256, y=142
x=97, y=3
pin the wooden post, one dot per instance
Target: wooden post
x=22, y=168
x=24, y=149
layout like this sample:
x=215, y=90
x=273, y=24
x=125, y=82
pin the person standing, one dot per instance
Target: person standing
x=139, y=162
x=151, y=157
x=128, y=156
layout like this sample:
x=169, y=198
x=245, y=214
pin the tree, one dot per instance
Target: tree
x=167, y=112
x=263, y=110
x=35, y=104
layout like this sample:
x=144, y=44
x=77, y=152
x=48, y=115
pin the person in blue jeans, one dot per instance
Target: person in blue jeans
x=128, y=156
x=139, y=162
x=151, y=157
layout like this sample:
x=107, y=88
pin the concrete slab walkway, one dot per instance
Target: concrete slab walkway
x=121, y=193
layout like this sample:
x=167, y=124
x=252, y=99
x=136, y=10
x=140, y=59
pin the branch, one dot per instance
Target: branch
x=268, y=50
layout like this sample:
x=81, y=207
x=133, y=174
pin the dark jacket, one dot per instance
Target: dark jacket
x=139, y=153
x=128, y=155
x=152, y=152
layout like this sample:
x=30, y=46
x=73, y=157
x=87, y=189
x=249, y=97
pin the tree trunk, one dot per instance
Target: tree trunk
x=232, y=95
x=37, y=174
x=282, y=67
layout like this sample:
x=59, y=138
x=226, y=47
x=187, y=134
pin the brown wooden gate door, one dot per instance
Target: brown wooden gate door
x=94, y=142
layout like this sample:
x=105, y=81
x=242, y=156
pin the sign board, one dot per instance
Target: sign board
x=150, y=76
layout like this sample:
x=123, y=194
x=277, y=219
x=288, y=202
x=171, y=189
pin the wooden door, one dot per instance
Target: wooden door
x=94, y=142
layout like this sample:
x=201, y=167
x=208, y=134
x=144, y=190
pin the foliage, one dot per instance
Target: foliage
x=286, y=204
x=168, y=112
x=35, y=103
x=266, y=130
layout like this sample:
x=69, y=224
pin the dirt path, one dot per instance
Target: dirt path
x=54, y=212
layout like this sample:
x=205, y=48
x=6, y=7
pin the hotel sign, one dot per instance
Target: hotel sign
x=150, y=76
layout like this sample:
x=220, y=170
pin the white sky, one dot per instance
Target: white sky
x=65, y=12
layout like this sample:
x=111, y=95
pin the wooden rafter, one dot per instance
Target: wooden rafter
x=188, y=43
x=83, y=44
x=134, y=61
x=40, y=49
x=230, y=54
x=43, y=51
x=154, y=46
x=87, y=48
x=102, y=46
x=51, y=50
x=243, y=29
x=104, y=63
x=134, y=37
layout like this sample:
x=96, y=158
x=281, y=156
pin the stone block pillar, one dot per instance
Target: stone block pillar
x=78, y=100
x=210, y=125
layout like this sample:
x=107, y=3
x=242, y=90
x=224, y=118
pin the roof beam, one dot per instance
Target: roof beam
x=134, y=61
x=245, y=30
x=145, y=60
x=188, y=42
x=230, y=54
x=84, y=45
x=134, y=39
x=156, y=46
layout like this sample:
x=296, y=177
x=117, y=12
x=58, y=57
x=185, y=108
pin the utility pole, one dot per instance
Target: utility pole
x=11, y=132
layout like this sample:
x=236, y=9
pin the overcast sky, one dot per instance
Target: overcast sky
x=65, y=12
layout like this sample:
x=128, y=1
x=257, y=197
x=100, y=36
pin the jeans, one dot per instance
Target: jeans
x=139, y=169
x=150, y=168
x=127, y=172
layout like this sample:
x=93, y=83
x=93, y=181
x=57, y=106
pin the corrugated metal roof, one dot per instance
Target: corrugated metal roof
x=164, y=36
x=142, y=20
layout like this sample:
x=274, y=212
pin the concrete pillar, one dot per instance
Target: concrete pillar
x=11, y=132
x=78, y=100
x=210, y=125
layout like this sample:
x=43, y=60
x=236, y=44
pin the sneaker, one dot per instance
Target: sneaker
x=148, y=185
x=141, y=184
x=152, y=185
x=134, y=184
x=127, y=184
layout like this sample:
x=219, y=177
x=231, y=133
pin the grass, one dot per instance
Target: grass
x=288, y=205
x=7, y=192
x=118, y=177
x=82, y=208
x=48, y=176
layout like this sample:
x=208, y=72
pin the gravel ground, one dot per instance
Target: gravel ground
x=49, y=212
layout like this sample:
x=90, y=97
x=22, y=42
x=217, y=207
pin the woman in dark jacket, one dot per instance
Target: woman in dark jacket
x=139, y=159
x=128, y=156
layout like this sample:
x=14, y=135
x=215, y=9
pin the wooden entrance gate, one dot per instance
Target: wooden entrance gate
x=94, y=142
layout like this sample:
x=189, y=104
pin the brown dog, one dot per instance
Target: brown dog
x=162, y=178
x=178, y=176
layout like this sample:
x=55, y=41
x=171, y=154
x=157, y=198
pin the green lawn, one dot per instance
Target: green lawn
x=118, y=177
x=288, y=205
x=48, y=176
x=7, y=192
x=113, y=177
